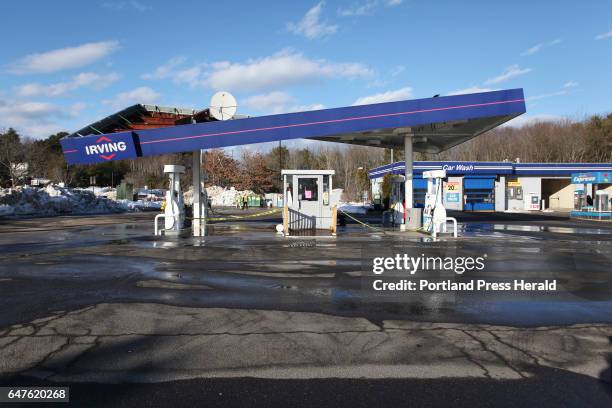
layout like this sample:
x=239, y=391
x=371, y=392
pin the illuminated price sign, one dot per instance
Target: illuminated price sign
x=453, y=186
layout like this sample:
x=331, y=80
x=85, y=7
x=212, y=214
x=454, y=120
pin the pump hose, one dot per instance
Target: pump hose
x=238, y=217
x=273, y=211
x=361, y=222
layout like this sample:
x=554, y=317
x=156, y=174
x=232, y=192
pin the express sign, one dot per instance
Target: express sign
x=598, y=177
x=96, y=149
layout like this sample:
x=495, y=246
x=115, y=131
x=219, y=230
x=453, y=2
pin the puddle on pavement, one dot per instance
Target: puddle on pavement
x=470, y=227
x=243, y=266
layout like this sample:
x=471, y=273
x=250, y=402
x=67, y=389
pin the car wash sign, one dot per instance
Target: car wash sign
x=99, y=148
x=598, y=177
x=467, y=168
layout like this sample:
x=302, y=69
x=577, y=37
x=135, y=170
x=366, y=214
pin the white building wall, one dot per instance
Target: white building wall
x=500, y=194
x=529, y=185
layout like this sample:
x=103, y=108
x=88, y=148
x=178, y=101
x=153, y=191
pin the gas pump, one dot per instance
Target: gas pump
x=434, y=213
x=174, y=211
x=396, y=201
x=601, y=201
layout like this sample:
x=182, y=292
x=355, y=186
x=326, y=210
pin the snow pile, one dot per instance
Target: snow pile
x=219, y=196
x=354, y=208
x=53, y=200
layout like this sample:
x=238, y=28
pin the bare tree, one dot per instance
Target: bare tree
x=11, y=154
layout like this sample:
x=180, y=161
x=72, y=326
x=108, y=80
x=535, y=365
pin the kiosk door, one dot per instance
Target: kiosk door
x=308, y=195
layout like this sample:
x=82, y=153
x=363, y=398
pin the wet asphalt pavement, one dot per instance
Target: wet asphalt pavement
x=68, y=283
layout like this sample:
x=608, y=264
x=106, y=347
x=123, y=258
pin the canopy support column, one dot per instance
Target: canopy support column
x=198, y=224
x=412, y=216
x=408, y=159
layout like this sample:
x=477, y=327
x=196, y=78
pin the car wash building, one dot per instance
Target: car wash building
x=497, y=186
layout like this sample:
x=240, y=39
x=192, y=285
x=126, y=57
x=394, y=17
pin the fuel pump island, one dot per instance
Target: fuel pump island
x=429, y=125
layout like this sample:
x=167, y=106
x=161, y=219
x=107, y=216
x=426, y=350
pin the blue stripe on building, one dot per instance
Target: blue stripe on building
x=493, y=168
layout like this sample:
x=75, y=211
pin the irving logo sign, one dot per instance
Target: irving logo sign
x=105, y=148
x=99, y=148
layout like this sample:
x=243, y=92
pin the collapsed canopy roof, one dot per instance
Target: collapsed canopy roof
x=436, y=124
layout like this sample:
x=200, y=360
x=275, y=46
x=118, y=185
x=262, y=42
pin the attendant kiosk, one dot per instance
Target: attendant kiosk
x=309, y=204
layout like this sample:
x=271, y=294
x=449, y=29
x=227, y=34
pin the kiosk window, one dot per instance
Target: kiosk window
x=325, y=190
x=308, y=189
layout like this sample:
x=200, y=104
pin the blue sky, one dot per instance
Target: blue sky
x=65, y=64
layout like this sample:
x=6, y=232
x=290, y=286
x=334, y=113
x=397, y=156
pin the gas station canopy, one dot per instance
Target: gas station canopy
x=435, y=124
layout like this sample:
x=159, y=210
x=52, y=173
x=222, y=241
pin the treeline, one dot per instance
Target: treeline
x=262, y=172
x=562, y=141
x=589, y=141
x=22, y=159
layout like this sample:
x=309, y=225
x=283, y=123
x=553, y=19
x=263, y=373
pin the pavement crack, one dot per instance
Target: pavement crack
x=50, y=355
x=484, y=347
x=477, y=363
x=513, y=347
x=16, y=339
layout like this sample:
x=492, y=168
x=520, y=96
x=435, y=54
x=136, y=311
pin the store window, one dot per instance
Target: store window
x=308, y=189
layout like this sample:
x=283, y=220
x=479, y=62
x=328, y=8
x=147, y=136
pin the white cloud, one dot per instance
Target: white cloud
x=524, y=120
x=366, y=8
x=165, y=70
x=538, y=47
x=473, y=89
x=398, y=69
x=30, y=110
x=389, y=96
x=90, y=79
x=31, y=118
x=378, y=83
x=63, y=58
x=193, y=76
x=359, y=9
x=126, y=5
x=534, y=49
x=142, y=94
x=76, y=108
x=277, y=102
x=310, y=25
x=273, y=102
x=546, y=95
x=603, y=36
x=570, y=84
x=304, y=108
x=281, y=69
x=511, y=72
